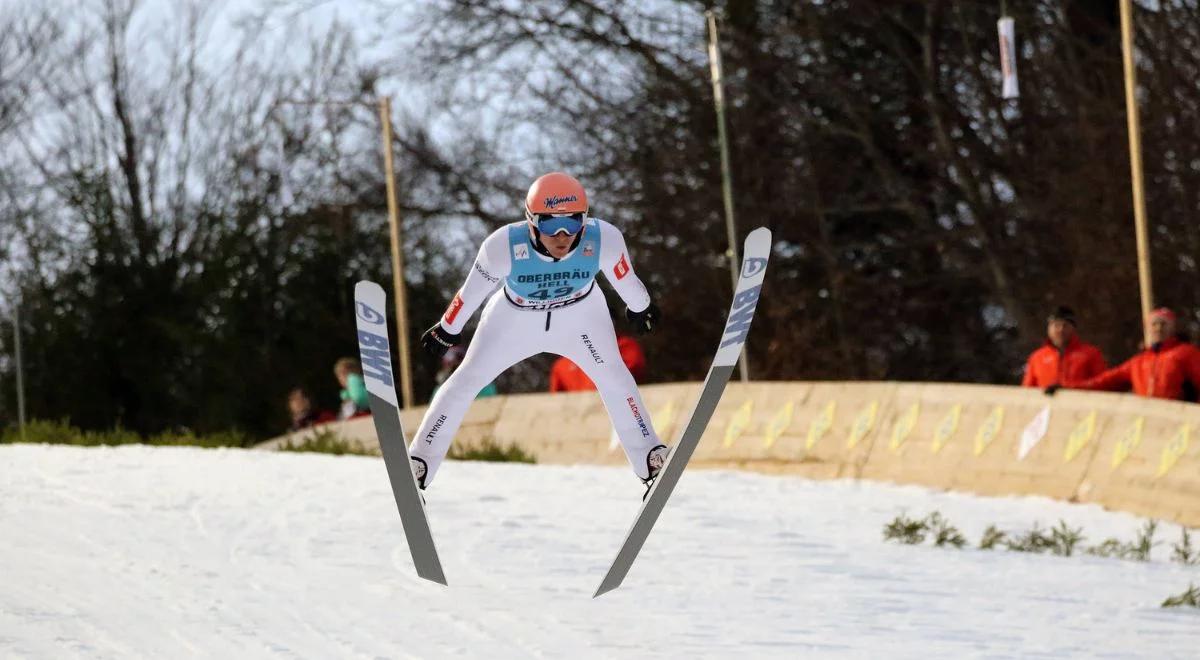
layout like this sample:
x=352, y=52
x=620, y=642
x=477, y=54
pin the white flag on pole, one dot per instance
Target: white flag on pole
x=1008, y=58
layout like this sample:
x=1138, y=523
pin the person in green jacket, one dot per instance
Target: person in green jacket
x=354, y=389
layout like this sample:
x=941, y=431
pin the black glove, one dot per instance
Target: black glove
x=645, y=320
x=1051, y=389
x=437, y=341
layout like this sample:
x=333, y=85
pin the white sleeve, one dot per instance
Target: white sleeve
x=492, y=264
x=618, y=268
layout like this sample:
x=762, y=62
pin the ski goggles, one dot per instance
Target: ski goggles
x=553, y=224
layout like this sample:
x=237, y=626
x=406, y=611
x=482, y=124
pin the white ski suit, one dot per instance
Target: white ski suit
x=542, y=305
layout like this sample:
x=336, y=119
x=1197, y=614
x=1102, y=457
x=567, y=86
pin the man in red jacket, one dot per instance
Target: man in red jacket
x=1161, y=370
x=1064, y=360
x=566, y=376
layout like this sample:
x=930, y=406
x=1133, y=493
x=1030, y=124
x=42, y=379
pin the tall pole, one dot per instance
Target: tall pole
x=385, y=118
x=718, y=81
x=1135, y=166
x=20, y=371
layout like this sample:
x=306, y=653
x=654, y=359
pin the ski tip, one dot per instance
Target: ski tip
x=606, y=586
x=762, y=235
x=437, y=577
x=366, y=286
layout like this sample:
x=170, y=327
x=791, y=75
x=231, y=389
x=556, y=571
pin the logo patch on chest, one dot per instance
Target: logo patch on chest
x=521, y=251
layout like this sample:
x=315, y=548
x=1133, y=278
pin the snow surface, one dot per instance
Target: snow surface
x=139, y=552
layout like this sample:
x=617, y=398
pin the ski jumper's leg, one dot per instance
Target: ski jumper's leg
x=505, y=336
x=586, y=336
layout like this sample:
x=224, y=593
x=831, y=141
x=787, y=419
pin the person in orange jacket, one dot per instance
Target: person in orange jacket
x=566, y=376
x=1064, y=360
x=1161, y=371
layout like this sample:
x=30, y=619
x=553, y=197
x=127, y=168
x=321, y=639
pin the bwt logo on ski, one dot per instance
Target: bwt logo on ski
x=376, y=358
x=637, y=415
x=753, y=266
x=369, y=315
x=433, y=431
x=592, y=349
x=555, y=200
x=738, y=325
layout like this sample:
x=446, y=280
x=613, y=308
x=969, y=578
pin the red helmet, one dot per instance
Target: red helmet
x=556, y=203
x=556, y=193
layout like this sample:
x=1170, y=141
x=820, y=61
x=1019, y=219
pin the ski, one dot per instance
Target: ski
x=370, y=304
x=737, y=327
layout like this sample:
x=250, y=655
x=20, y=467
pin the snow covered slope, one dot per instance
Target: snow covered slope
x=138, y=552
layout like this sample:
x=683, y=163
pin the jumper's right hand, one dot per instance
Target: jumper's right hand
x=644, y=321
x=437, y=341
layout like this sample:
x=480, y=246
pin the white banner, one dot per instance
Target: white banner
x=1008, y=57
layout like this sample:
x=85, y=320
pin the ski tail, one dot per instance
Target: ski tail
x=370, y=303
x=737, y=328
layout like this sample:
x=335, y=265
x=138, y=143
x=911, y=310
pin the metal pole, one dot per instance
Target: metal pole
x=714, y=59
x=385, y=118
x=1135, y=165
x=20, y=373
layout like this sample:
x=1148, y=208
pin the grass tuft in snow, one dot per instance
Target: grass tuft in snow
x=1062, y=539
x=1183, y=552
x=912, y=531
x=1035, y=540
x=1059, y=540
x=902, y=529
x=325, y=442
x=1138, y=550
x=943, y=532
x=993, y=537
x=1189, y=598
x=489, y=450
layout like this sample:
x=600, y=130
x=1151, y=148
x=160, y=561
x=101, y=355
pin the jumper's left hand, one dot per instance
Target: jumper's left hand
x=645, y=320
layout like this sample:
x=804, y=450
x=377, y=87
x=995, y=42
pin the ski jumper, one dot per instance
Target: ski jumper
x=543, y=305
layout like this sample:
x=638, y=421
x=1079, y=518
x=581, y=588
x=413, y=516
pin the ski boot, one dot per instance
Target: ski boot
x=419, y=468
x=655, y=459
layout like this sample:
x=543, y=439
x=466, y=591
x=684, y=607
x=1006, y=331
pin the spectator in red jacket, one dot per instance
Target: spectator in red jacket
x=566, y=376
x=1064, y=360
x=1161, y=371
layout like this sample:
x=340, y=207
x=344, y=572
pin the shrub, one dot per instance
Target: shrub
x=42, y=431
x=63, y=433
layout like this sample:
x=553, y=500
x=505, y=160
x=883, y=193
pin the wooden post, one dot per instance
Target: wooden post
x=20, y=370
x=385, y=118
x=1135, y=165
x=714, y=59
